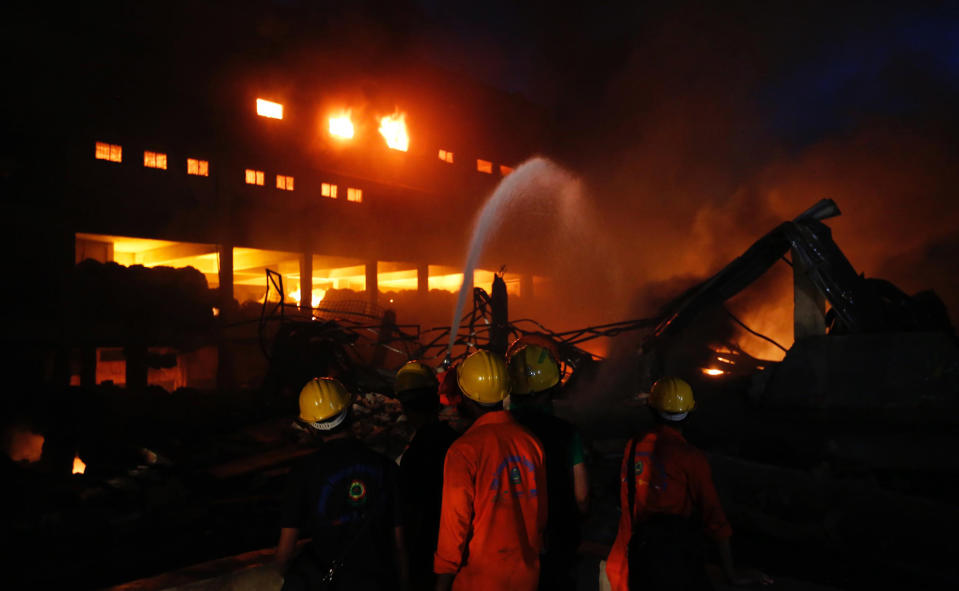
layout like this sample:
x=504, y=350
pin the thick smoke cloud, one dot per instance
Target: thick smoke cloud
x=712, y=132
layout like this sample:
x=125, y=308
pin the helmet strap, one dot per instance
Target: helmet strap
x=330, y=424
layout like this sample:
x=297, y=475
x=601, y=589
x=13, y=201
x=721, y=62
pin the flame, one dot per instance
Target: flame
x=265, y=108
x=318, y=295
x=393, y=130
x=341, y=126
x=78, y=466
x=724, y=360
x=712, y=371
x=25, y=446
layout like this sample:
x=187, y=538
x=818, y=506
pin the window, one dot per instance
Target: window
x=505, y=170
x=254, y=177
x=111, y=152
x=154, y=160
x=484, y=166
x=446, y=156
x=197, y=167
x=284, y=182
x=355, y=195
x=328, y=190
x=265, y=108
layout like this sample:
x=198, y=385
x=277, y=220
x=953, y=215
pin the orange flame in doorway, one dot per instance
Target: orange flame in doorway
x=78, y=466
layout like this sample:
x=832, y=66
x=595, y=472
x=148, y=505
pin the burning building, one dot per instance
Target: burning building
x=350, y=191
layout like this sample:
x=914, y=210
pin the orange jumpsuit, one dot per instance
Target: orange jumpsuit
x=672, y=477
x=494, y=507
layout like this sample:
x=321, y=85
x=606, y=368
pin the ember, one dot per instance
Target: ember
x=78, y=466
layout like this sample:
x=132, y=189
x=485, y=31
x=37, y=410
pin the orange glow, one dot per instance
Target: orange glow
x=129, y=251
x=154, y=160
x=341, y=126
x=197, y=167
x=284, y=182
x=354, y=195
x=446, y=156
x=110, y=152
x=254, y=177
x=484, y=166
x=25, y=446
x=265, y=108
x=328, y=190
x=711, y=371
x=78, y=466
x=318, y=295
x=216, y=311
x=724, y=360
x=505, y=170
x=393, y=130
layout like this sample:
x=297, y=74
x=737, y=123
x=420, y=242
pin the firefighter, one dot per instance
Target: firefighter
x=535, y=377
x=344, y=496
x=421, y=467
x=494, y=491
x=668, y=498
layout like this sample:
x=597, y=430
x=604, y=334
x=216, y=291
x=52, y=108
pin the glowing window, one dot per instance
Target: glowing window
x=197, y=167
x=341, y=126
x=446, y=156
x=393, y=130
x=505, y=170
x=355, y=195
x=265, y=108
x=484, y=166
x=154, y=160
x=284, y=182
x=328, y=190
x=111, y=152
x=254, y=177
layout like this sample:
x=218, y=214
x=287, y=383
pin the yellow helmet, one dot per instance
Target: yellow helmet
x=483, y=378
x=532, y=369
x=414, y=376
x=323, y=402
x=672, y=397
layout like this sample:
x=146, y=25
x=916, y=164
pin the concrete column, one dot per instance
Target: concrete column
x=306, y=279
x=224, y=366
x=423, y=279
x=372, y=286
x=809, y=304
x=225, y=298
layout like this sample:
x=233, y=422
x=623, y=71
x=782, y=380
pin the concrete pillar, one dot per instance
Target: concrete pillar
x=225, y=298
x=88, y=366
x=809, y=304
x=306, y=279
x=224, y=366
x=423, y=279
x=372, y=286
x=136, y=367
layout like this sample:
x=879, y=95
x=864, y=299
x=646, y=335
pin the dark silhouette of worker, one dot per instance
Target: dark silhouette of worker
x=494, y=491
x=535, y=377
x=345, y=496
x=668, y=499
x=421, y=467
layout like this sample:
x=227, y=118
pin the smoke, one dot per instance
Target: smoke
x=713, y=131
